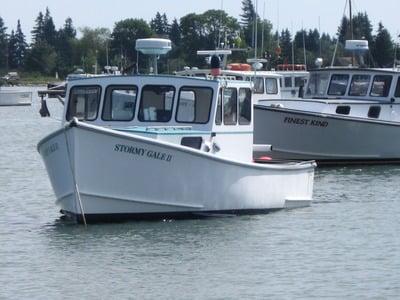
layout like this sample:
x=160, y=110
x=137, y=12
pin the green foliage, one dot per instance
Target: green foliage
x=248, y=16
x=41, y=58
x=383, y=46
x=59, y=50
x=16, y=48
x=91, y=49
x=3, y=45
x=123, y=41
x=362, y=28
x=65, y=46
x=210, y=30
x=160, y=25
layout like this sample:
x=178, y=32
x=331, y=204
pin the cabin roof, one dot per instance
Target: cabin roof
x=272, y=74
x=358, y=70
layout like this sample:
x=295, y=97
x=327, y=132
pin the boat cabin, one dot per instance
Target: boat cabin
x=354, y=83
x=369, y=94
x=214, y=116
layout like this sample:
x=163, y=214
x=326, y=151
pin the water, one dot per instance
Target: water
x=346, y=245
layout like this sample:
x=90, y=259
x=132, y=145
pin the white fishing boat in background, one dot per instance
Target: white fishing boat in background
x=348, y=115
x=164, y=146
x=294, y=79
x=13, y=96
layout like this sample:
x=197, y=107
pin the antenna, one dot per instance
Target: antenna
x=320, y=36
x=255, y=30
x=277, y=3
x=337, y=41
x=304, y=46
x=292, y=49
x=395, y=51
x=262, y=31
x=220, y=22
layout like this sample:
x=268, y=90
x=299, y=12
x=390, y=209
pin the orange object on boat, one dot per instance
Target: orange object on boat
x=239, y=67
x=291, y=67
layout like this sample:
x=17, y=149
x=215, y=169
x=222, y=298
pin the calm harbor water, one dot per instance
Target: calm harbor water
x=346, y=245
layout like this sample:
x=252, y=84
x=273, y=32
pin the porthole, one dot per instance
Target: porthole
x=374, y=112
x=343, y=110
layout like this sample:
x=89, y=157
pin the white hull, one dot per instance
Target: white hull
x=11, y=98
x=326, y=138
x=119, y=174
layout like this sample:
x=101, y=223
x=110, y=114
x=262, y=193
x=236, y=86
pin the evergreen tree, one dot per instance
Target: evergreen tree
x=362, y=28
x=69, y=30
x=66, y=38
x=12, y=51
x=175, y=33
x=124, y=37
x=49, y=29
x=383, y=46
x=160, y=25
x=20, y=46
x=247, y=21
x=3, y=45
x=38, y=30
x=248, y=13
x=286, y=45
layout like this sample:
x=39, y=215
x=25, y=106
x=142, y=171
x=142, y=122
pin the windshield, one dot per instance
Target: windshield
x=317, y=85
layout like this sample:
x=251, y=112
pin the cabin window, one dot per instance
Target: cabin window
x=338, y=85
x=288, y=82
x=156, y=103
x=218, y=115
x=258, y=85
x=299, y=81
x=271, y=86
x=230, y=106
x=119, y=103
x=280, y=82
x=374, y=112
x=359, y=85
x=245, y=106
x=317, y=85
x=381, y=86
x=194, y=104
x=397, y=92
x=343, y=110
x=84, y=102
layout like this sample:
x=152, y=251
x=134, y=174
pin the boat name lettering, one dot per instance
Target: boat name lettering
x=50, y=149
x=306, y=122
x=143, y=152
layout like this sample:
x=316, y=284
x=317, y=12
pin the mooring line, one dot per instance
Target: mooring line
x=77, y=195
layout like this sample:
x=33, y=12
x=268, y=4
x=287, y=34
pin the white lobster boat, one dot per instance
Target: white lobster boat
x=348, y=115
x=164, y=146
x=14, y=97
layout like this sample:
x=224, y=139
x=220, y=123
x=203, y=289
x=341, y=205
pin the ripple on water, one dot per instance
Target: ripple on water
x=346, y=245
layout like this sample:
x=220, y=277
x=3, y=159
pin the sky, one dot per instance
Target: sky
x=291, y=14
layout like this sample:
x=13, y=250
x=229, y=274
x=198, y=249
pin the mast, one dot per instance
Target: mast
x=351, y=30
x=255, y=30
x=351, y=21
x=262, y=34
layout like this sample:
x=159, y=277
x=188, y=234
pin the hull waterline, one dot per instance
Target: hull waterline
x=109, y=175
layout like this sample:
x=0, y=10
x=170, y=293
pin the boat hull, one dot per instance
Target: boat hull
x=327, y=139
x=110, y=175
x=10, y=98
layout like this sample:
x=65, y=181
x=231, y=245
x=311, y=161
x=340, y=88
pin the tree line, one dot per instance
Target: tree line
x=61, y=51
